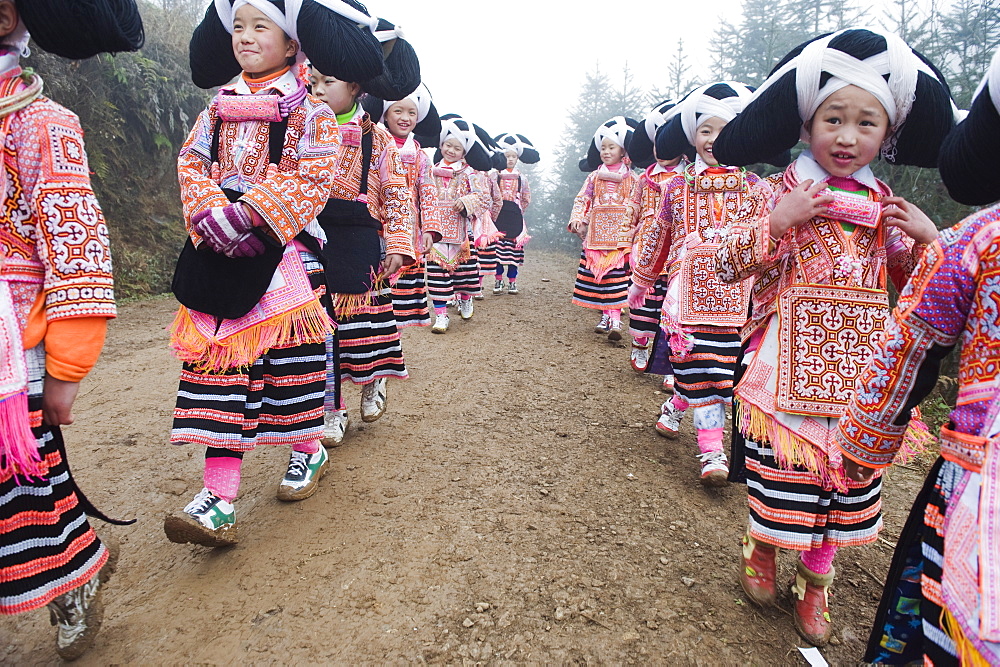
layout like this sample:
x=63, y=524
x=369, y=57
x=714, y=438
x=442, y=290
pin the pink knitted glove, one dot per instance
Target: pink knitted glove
x=247, y=245
x=221, y=226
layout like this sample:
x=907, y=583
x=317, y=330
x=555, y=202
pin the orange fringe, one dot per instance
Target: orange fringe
x=968, y=654
x=349, y=305
x=307, y=324
x=791, y=450
x=600, y=262
x=450, y=266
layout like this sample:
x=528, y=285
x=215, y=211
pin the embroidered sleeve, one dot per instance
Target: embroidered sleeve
x=582, y=204
x=653, y=239
x=933, y=311
x=393, y=201
x=525, y=194
x=199, y=191
x=479, y=200
x=746, y=246
x=900, y=256
x=426, y=195
x=290, y=199
x=631, y=217
x=71, y=235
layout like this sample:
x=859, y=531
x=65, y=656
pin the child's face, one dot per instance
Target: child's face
x=260, y=46
x=452, y=150
x=611, y=153
x=847, y=131
x=667, y=164
x=401, y=118
x=705, y=136
x=511, y=159
x=338, y=95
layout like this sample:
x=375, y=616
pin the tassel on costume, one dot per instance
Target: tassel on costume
x=968, y=654
x=18, y=447
x=600, y=262
x=349, y=305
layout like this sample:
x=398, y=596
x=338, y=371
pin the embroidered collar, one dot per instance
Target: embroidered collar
x=286, y=84
x=617, y=174
x=700, y=166
x=806, y=167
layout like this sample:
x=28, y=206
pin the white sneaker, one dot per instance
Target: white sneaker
x=604, y=326
x=668, y=383
x=302, y=477
x=498, y=287
x=670, y=420
x=465, y=308
x=452, y=302
x=512, y=289
x=207, y=520
x=373, y=400
x=440, y=324
x=640, y=358
x=714, y=468
x=334, y=428
x=615, y=330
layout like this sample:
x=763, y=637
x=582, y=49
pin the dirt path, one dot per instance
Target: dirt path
x=514, y=505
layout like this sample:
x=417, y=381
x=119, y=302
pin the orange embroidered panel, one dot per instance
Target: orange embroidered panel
x=605, y=228
x=704, y=298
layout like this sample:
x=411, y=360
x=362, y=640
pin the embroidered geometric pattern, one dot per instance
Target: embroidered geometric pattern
x=706, y=300
x=602, y=193
x=604, y=232
x=827, y=334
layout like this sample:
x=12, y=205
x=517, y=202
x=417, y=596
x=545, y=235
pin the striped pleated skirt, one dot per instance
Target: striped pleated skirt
x=277, y=400
x=368, y=343
x=508, y=254
x=609, y=292
x=704, y=376
x=409, y=297
x=442, y=286
x=487, y=259
x=791, y=508
x=644, y=322
x=47, y=546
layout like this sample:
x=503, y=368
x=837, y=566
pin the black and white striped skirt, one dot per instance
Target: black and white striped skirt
x=508, y=254
x=368, y=343
x=409, y=297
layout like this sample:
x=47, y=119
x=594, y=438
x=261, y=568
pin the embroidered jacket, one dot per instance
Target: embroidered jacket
x=289, y=197
x=509, y=181
x=420, y=186
x=647, y=197
x=604, y=208
x=52, y=231
x=824, y=253
x=952, y=297
x=491, y=180
x=388, y=192
x=457, y=183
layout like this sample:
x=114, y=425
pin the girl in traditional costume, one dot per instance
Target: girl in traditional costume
x=941, y=603
x=821, y=241
x=369, y=238
x=405, y=119
x=254, y=173
x=56, y=296
x=516, y=194
x=604, y=217
x=650, y=350
x=701, y=314
x=461, y=210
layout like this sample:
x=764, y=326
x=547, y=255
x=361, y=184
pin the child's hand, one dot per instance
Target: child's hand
x=857, y=472
x=636, y=296
x=428, y=241
x=391, y=264
x=57, y=401
x=800, y=205
x=899, y=213
x=459, y=207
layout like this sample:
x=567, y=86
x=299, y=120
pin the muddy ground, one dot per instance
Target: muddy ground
x=514, y=505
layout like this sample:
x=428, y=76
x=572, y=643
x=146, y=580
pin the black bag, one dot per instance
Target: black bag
x=353, y=249
x=228, y=287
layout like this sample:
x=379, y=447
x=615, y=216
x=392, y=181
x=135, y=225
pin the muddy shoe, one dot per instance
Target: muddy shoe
x=334, y=428
x=207, y=520
x=302, y=477
x=604, y=326
x=758, y=571
x=513, y=288
x=78, y=615
x=373, y=400
x=810, y=593
x=639, y=357
x=714, y=469
x=498, y=287
x=669, y=423
x=615, y=330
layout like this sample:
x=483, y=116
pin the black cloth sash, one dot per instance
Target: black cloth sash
x=511, y=220
x=229, y=287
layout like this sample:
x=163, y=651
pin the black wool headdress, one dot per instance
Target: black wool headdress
x=518, y=143
x=640, y=150
x=619, y=129
x=338, y=37
x=428, y=120
x=910, y=89
x=477, y=154
x=79, y=29
x=968, y=155
x=401, y=68
x=722, y=99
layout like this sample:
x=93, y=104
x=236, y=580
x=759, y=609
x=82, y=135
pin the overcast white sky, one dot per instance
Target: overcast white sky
x=517, y=65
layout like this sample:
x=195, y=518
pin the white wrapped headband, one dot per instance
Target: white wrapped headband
x=699, y=104
x=656, y=119
x=617, y=132
x=511, y=142
x=992, y=79
x=421, y=97
x=288, y=20
x=450, y=130
x=896, y=95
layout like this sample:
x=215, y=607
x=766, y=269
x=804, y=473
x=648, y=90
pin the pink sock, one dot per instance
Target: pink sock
x=310, y=447
x=440, y=310
x=615, y=314
x=606, y=312
x=641, y=340
x=679, y=402
x=710, y=440
x=465, y=297
x=820, y=560
x=222, y=476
